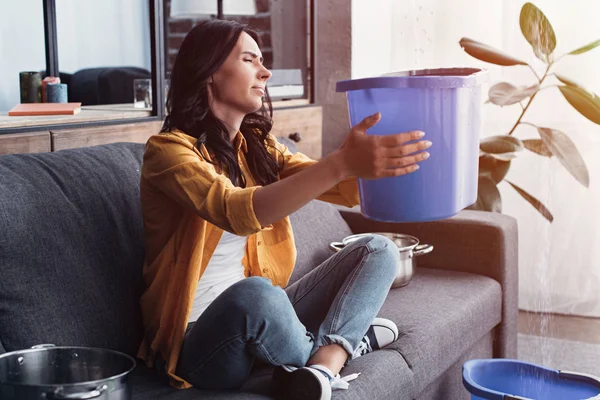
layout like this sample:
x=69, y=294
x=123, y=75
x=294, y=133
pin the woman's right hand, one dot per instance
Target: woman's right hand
x=374, y=156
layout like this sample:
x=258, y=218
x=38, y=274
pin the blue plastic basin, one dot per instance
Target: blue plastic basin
x=504, y=379
x=446, y=105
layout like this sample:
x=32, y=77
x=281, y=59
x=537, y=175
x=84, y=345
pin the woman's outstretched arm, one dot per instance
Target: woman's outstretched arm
x=362, y=155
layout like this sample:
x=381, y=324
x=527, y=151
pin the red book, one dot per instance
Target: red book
x=25, y=109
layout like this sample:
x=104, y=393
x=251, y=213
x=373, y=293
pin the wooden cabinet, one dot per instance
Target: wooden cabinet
x=304, y=123
x=29, y=142
x=83, y=137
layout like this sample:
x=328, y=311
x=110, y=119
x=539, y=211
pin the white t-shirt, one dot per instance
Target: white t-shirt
x=223, y=270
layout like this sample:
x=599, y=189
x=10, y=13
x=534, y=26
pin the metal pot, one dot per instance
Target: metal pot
x=50, y=372
x=409, y=248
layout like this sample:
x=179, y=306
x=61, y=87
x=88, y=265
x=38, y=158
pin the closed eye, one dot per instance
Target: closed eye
x=254, y=55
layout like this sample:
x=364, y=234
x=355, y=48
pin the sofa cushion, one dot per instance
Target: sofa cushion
x=148, y=386
x=450, y=384
x=71, y=248
x=383, y=375
x=440, y=315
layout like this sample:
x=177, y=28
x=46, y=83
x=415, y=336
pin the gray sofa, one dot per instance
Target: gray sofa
x=71, y=253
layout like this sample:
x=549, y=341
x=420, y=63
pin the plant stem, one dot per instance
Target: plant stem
x=529, y=102
x=559, y=58
x=535, y=73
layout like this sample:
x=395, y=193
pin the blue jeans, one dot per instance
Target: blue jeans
x=254, y=321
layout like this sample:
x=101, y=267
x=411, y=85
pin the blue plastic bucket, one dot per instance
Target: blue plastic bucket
x=503, y=379
x=446, y=105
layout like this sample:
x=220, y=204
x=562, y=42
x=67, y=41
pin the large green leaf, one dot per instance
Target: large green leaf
x=488, y=196
x=492, y=167
x=538, y=31
x=564, y=149
x=505, y=94
x=542, y=209
x=502, y=147
x=487, y=53
x=586, y=48
x=537, y=146
x=588, y=104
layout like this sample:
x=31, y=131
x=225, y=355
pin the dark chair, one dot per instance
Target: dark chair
x=109, y=85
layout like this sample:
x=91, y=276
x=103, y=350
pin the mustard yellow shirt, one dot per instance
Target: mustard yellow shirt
x=186, y=205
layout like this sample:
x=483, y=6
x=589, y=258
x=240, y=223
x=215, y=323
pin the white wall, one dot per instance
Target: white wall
x=560, y=262
x=103, y=33
x=21, y=46
x=90, y=34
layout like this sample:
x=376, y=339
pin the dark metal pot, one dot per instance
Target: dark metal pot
x=408, y=246
x=49, y=372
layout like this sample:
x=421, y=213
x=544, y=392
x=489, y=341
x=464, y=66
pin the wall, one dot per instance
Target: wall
x=559, y=262
x=21, y=46
x=103, y=33
x=91, y=34
x=289, y=19
x=333, y=46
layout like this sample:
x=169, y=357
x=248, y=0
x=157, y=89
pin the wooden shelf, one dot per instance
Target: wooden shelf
x=105, y=112
x=289, y=117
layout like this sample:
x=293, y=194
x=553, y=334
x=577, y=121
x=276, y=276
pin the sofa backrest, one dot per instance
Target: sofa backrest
x=315, y=226
x=71, y=248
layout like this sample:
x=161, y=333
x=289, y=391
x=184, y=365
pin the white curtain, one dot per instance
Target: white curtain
x=559, y=262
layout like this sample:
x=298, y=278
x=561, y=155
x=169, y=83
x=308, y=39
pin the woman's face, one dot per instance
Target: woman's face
x=239, y=84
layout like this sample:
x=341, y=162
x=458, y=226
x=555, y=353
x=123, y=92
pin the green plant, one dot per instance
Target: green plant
x=497, y=152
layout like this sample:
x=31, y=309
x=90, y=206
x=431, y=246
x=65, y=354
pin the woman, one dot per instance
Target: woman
x=216, y=192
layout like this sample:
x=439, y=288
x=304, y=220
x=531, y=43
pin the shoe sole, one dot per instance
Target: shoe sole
x=382, y=324
x=281, y=380
x=302, y=384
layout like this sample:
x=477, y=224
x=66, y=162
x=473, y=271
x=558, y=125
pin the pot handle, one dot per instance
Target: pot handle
x=93, y=394
x=422, y=249
x=336, y=246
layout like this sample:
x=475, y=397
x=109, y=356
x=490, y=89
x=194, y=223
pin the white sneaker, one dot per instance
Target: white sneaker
x=307, y=383
x=381, y=333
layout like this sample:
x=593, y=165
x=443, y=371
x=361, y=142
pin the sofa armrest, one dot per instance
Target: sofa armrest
x=477, y=242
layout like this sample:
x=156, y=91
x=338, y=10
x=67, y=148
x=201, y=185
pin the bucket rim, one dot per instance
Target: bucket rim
x=454, y=77
x=481, y=391
x=478, y=390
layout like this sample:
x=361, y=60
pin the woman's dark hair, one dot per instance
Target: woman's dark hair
x=202, y=52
